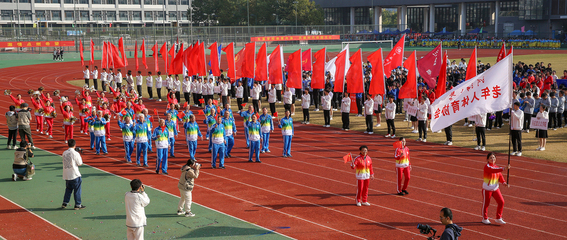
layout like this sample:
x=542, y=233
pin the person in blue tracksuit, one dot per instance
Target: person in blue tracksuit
x=148, y=122
x=99, y=132
x=127, y=112
x=91, y=128
x=218, y=135
x=191, y=133
x=227, y=109
x=254, y=136
x=141, y=133
x=210, y=121
x=127, y=128
x=171, y=126
x=210, y=108
x=286, y=124
x=160, y=135
x=267, y=126
x=230, y=132
x=247, y=117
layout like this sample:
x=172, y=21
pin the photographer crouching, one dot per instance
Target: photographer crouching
x=23, y=167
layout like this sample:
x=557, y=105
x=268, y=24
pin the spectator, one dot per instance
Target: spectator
x=71, y=162
x=189, y=172
x=21, y=160
x=135, y=202
x=24, y=118
x=12, y=122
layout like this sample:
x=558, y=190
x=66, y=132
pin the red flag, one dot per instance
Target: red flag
x=81, y=52
x=275, y=67
x=170, y=63
x=194, y=56
x=185, y=105
x=178, y=61
x=201, y=100
x=395, y=57
x=163, y=52
x=136, y=55
x=202, y=60
x=216, y=102
x=340, y=71
x=442, y=81
x=347, y=158
x=511, y=50
x=318, y=78
x=215, y=67
x=121, y=48
x=471, y=68
x=143, y=49
x=200, y=112
x=155, y=112
x=354, y=77
x=249, y=61
x=110, y=54
x=294, y=74
x=180, y=115
x=189, y=59
x=103, y=60
x=502, y=53
x=92, y=53
x=117, y=61
x=429, y=66
x=262, y=64
x=238, y=60
x=306, y=61
x=377, y=82
x=397, y=144
x=123, y=112
x=409, y=89
x=275, y=114
x=231, y=71
x=155, y=55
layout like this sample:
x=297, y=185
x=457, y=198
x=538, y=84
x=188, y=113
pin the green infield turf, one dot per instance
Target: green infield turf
x=103, y=194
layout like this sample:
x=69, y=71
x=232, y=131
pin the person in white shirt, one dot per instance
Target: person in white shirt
x=345, y=111
x=187, y=89
x=422, y=118
x=239, y=95
x=200, y=85
x=94, y=75
x=305, y=103
x=118, y=80
x=480, y=128
x=194, y=84
x=139, y=83
x=224, y=88
x=516, y=126
x=368, y=110
x=463, y=64
x=159, y=84
x=378, y=109
x=135, y=201
x=86, y=75
x=288, y=98
x=326, y=104
x=542, y=134
x=71, y=162
x=129, y=81
x=255, y=93
x=176, y=86
x=168, y=83
x=210, y=89
x=272, y=98
x=150, y=85
x=414, y=123
x=103, y=79
x=390, y=116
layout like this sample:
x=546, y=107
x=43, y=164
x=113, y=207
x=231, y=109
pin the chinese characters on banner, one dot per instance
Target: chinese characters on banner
x=38, y=44
x=490, y=91
x=294, y=38
x=540, y=124
x=412, y=110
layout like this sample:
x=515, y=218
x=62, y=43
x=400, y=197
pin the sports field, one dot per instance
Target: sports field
x=308, y=196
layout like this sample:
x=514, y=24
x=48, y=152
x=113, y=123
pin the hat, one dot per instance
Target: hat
x=24, y=105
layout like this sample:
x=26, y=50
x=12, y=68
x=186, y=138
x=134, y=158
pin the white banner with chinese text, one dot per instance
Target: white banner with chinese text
x=490, y=91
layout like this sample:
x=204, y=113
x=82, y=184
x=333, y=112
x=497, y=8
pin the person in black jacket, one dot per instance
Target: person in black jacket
x=452, y=231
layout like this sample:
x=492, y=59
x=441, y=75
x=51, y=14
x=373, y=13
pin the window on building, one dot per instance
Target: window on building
x=55, y=1
x=509, y=9
x=479, y=15
x=123, y=15
x=184, y=2
x=184, y=15
x=124, y=2
x=148, y=16
x=7, y=14
x=447, y=17
x=7, y=1
x=415, y=19
x=160, y=2
x=172, y=15
x=172, y=2
x=97, y=16
x=147, y=2
x=558, y=7
x=137, y=16
x=337, y=16
x=84, y=15
x=40, y=1
x=69, y=1
x=26, y=15
x=97, y=1
x=83, y=1
x=40, y=14
x=56, y=15
x=530, y=10
x=111, y=16
x=23, y=1
x=110, y=2
x=362, y=16
x=69, y=16
x=135, y=2
x=159, y=15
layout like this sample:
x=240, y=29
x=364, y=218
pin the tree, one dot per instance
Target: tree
x=389, y=17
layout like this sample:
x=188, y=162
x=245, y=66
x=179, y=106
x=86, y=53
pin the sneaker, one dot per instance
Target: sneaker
x=483, y=148
x=474, y=139
x=466, y=124
x=33, y=147
x=445, y=143
x=486, y=221
x=377, y=125
x=527, y=131
x=358, y=204
x=307, y=122
x=414, y=131
x=405, y=192
x=470, y=125
x=14, y=177
x=266, y=151
x=79, y=207
x=393, y=136
x=477, y=148
x=424, y=140
x=65, y=141
x=64, y=205
x=366, y=204
x=332, y=119
x=500, y=221
x=27, y=178
x=189, y=214
x=412, y=128
x=365, y=131
x=555, y=129
x=8, y=147
x=450, y=143
x=180, y=212
x=370, y=133
x=130, y=161
x=222, y=167
x=41, y=132
x=538, y=148
x=46, y=133
x=316, y=109
x=542, y=149
x=519, y=154
x=249, y=160
x=263, y=151
x=346, y=129
x=37, y=130
x=50, y=136
x=419, y=139
x=259, y=161
x=426, y=129
x=514, y=153
x=146, y=165
x=388, y=136
x=108, y=139
x=81, y=131
x=488, y=129
x=164, y=173
x=400, y=193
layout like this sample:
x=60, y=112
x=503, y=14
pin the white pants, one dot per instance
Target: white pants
x=135, y=233
x=185, y=200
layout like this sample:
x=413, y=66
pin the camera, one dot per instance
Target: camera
x=426, y=229
x=79, y=150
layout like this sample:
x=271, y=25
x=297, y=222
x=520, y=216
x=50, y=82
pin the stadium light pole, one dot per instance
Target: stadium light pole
x=191, y=13
x=295, y=2
x=248, y=13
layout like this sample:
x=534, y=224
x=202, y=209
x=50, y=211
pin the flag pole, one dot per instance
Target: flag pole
x=509, y=133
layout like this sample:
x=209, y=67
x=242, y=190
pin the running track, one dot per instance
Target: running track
x=313, y=192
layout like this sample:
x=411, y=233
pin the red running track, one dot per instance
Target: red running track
x=313, y=192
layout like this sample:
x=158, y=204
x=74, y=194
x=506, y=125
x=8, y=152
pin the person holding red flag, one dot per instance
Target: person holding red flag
x=493, y=176
x=364, y=172
x=403, y=165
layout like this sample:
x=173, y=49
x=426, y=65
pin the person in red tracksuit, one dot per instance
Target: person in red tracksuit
x=493, y=176
x=364, y=172
x=403, y=166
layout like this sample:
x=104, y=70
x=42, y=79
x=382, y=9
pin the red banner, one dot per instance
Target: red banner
x=294, y=38
x=38, y=44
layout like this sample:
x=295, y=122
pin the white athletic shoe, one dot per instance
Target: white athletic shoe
x=483, y=148
x=393, y=136
x=542, y=149
x=316, y=109
x=519, y=154
x=65, y=141
x=450, y=143
x=14, y=177
x=331, y=118
x=50, y=136
x=37, y=130
x=81, y=131
x=419, y=139
x=474, y=139
x=412, y=127
x=470, y=125
x=388, y=136
x=414, y=131
x=370, y=133
x=527, y=131
x=41, y=132
x=365, y=131
x=486, y=221
x=366, y=204
x=424, y=140
x=46, y=133
x=514, y=153
x=426, y=129
x=358, y=204
x=477, y=148
x=466, y=124
x=377, y=125
x=500, y=221
x=538, y=148
x=438, y=131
